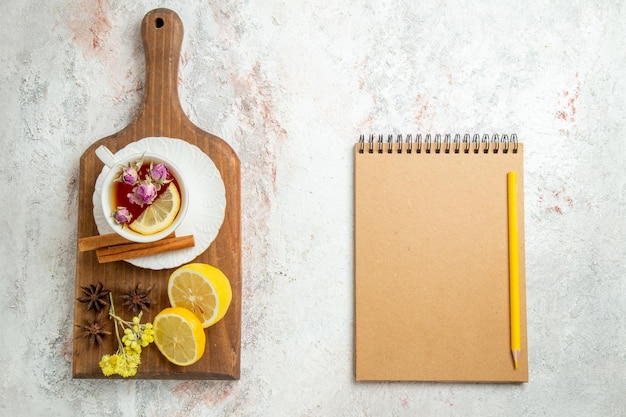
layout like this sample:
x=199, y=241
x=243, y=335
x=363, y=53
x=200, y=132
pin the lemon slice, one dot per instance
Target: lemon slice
x=201, y=288
x=179, y=336
x=160, y=214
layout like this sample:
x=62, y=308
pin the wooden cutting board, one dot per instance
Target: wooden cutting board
x=161, y=115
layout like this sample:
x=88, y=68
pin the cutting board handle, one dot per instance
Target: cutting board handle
x=162, y=34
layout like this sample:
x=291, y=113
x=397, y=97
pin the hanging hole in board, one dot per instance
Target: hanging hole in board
x=158, y=22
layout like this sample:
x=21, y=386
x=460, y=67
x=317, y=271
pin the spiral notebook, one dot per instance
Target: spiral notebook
x=432, y=260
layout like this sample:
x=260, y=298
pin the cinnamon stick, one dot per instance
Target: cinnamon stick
x=103, y=241
x=136, y=250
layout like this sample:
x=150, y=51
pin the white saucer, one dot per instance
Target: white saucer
x=206, y=205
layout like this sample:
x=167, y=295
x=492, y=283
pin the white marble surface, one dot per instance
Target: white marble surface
x=290, y=85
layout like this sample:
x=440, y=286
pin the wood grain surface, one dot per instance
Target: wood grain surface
x=161, y=115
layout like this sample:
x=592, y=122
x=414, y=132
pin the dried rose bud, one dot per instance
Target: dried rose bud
x=122, y=215
x=159, y=173
x=130, y=176
x=144, y=193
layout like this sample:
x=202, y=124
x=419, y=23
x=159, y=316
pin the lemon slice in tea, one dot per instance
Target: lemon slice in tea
x=160, y=214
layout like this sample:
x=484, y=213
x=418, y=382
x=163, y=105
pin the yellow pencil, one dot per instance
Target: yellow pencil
x=514, y=267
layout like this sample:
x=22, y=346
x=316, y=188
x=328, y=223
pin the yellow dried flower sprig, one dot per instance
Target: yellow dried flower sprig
x=127, y=359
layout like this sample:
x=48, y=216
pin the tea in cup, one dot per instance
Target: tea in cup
x=144, y=196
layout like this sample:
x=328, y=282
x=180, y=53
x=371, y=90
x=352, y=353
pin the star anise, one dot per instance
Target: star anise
x=95, y=296
x=138, y=299
x=94, y=330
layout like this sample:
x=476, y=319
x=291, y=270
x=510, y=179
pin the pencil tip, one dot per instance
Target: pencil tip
x=516, y=357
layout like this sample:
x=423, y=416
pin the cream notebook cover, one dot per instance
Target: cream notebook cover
x=431, y=259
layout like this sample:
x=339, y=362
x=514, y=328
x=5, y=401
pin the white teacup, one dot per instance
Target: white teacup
x=116, y=166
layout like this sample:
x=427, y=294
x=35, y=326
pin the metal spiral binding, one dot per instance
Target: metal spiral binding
x=469, y=143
